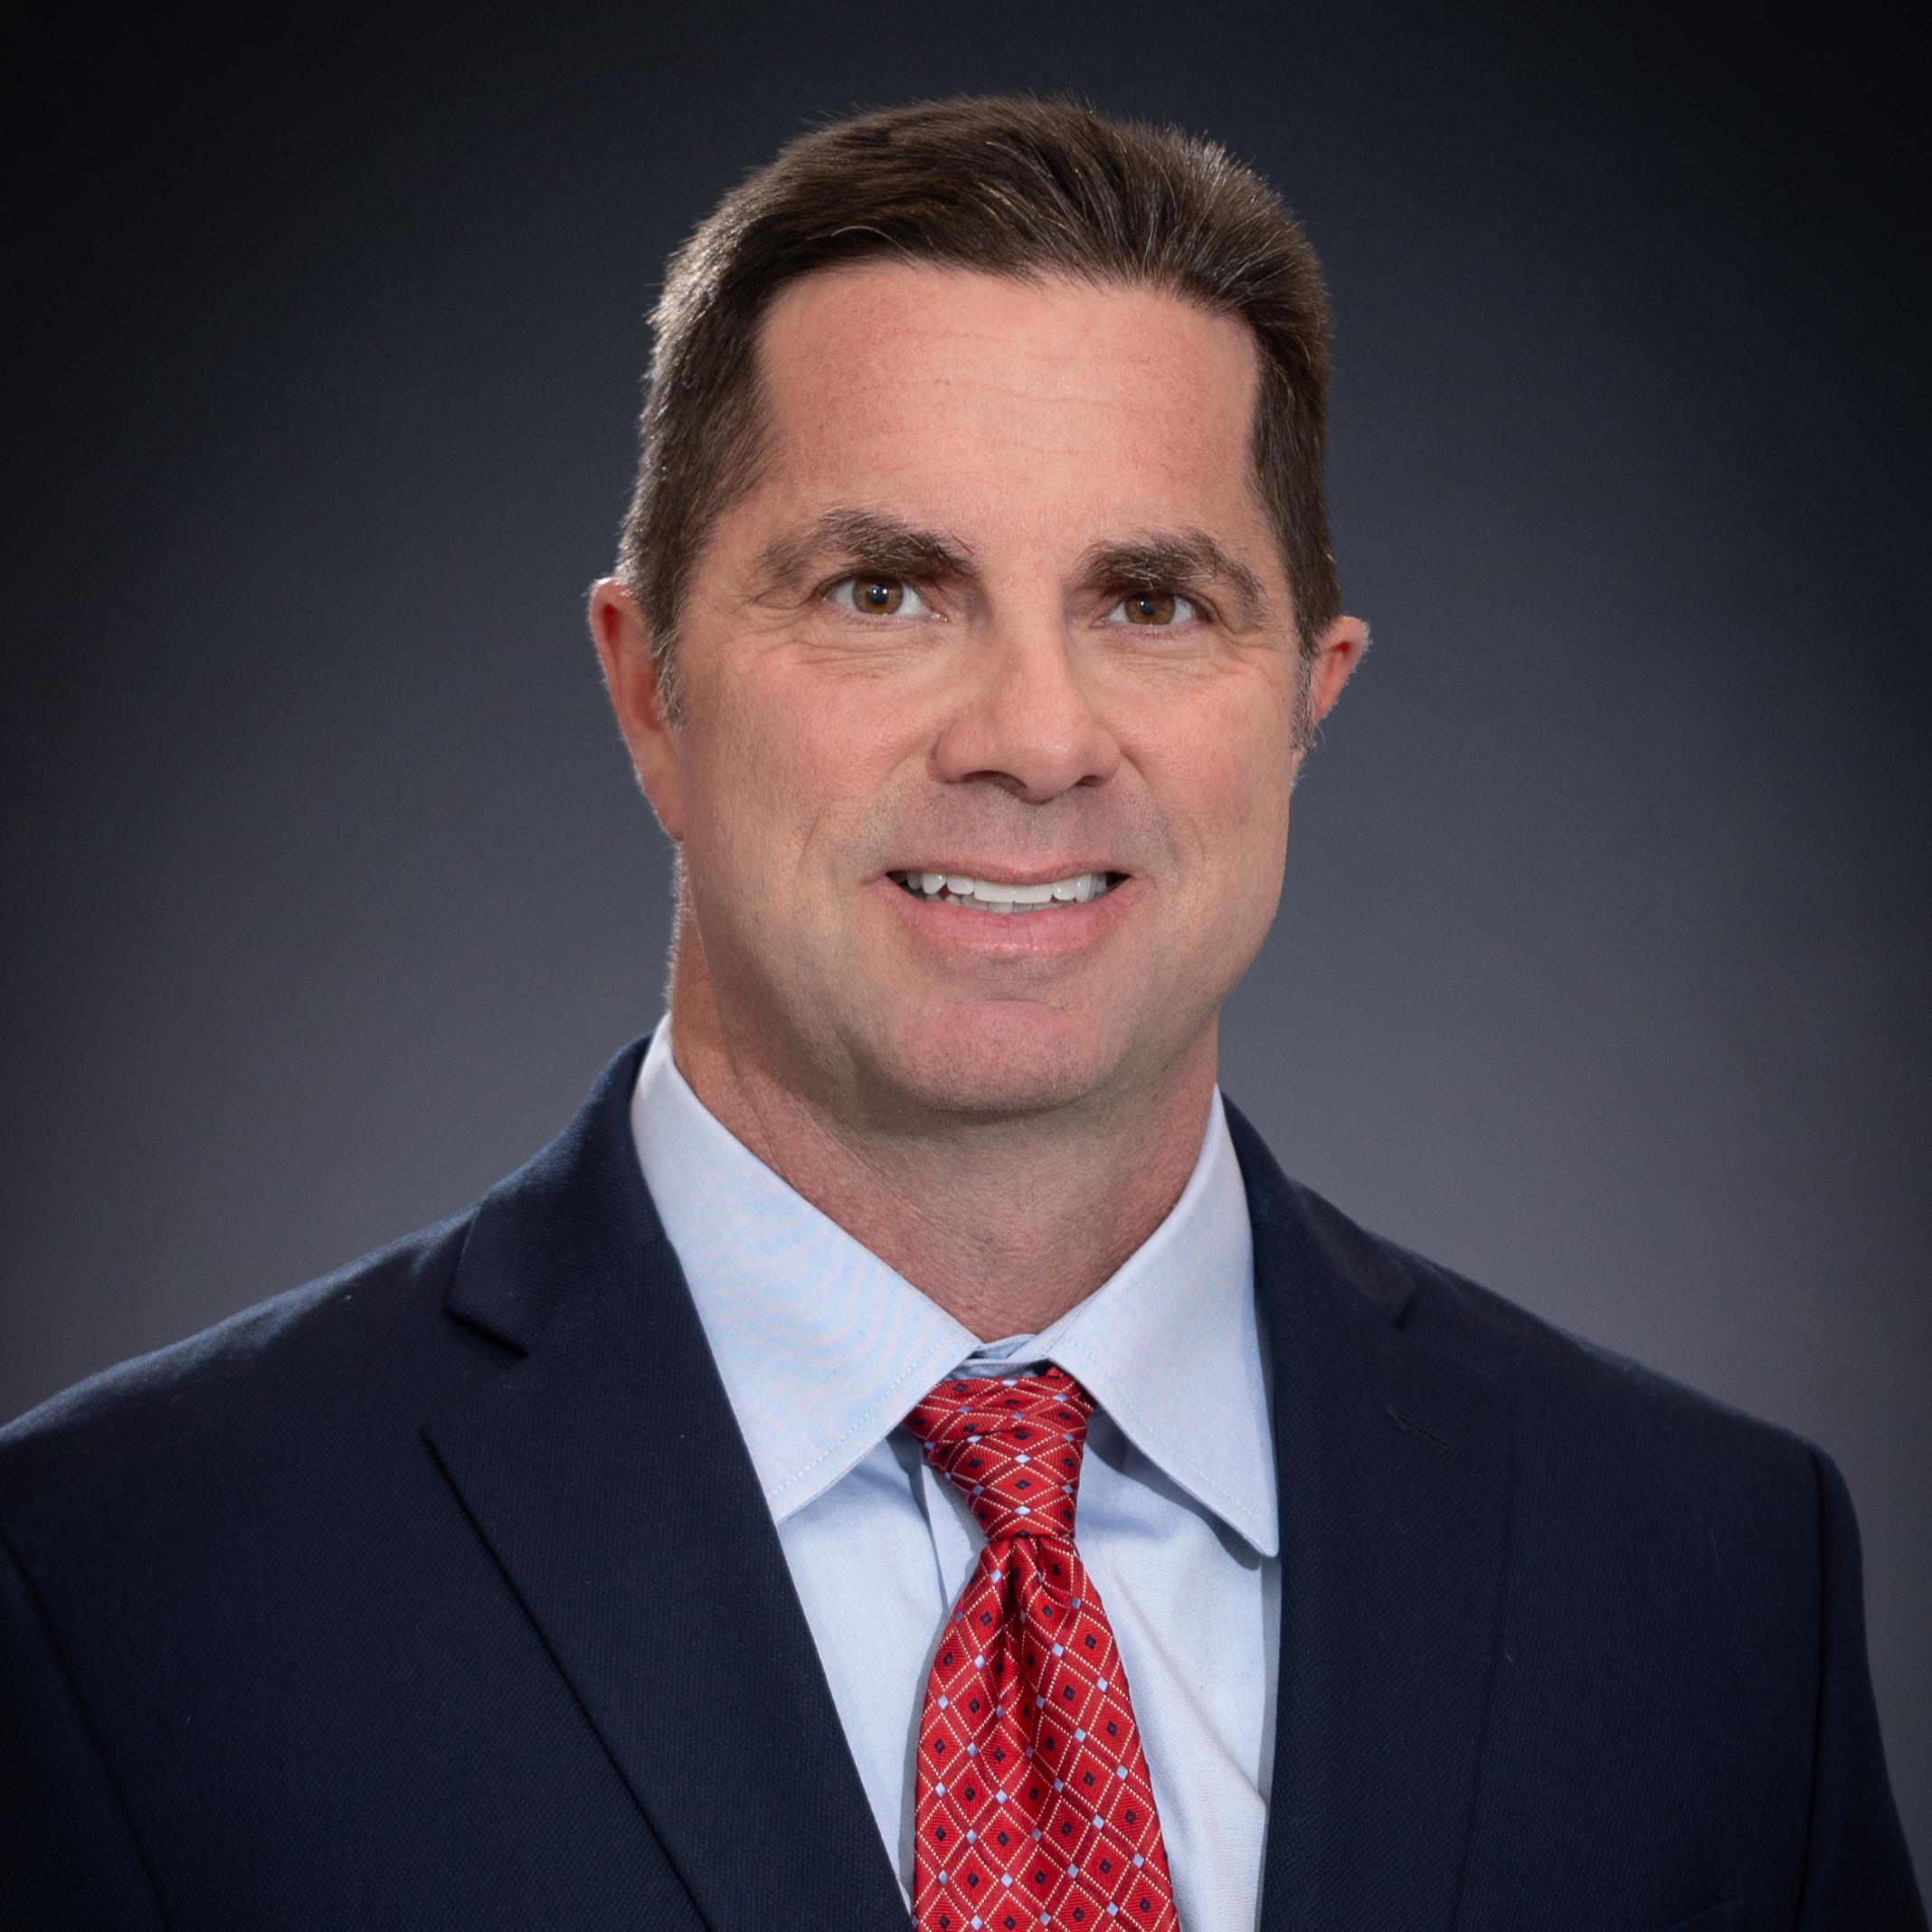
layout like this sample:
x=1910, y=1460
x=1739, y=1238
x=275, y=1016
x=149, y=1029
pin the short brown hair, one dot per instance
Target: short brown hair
x=1011, y=186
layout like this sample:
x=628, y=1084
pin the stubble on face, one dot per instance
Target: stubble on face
x=1020, y=459
x=1002, y=620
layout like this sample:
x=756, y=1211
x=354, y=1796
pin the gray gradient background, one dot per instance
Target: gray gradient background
x=1602, y=970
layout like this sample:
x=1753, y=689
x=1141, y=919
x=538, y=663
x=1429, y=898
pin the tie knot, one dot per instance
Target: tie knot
x=1011, y=1446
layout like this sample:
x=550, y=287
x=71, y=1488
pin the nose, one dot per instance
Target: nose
x=1023, y=719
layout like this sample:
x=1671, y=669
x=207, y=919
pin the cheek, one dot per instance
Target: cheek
x=1225, y=779
x=748, y=784
x=782, y=766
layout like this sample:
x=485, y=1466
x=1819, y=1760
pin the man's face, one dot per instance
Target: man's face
x=1001, y=611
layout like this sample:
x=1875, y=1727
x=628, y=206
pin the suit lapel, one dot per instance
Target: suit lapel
x=607, y=1475
x=1393, y=1478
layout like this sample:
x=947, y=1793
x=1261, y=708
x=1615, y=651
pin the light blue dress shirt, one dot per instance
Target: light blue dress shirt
x=823, y=1349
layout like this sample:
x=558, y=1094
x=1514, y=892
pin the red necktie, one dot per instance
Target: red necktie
x=1033, y=1805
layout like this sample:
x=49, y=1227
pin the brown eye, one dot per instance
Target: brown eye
x=878, y=597
x=1159, y=608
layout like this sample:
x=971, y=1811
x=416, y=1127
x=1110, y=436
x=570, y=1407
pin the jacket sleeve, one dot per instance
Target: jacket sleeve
x=68, y=1861
x=1858, y=1870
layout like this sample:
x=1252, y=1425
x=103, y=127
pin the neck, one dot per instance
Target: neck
x=1006, y=1223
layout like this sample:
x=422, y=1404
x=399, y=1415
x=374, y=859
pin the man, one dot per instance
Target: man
x=906, y=1446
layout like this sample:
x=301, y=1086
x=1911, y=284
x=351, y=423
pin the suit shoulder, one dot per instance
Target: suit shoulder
x=1574, y=1399
x=343, y=1346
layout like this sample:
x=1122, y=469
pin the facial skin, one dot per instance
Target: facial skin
x=912, y=650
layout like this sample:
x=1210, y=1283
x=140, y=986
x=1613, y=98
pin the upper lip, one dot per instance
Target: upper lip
x=1005, y=875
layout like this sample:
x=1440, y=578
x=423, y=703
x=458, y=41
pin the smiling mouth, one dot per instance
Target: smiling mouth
x=986, y=895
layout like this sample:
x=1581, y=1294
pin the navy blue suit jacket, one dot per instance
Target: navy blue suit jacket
x=441, y=1593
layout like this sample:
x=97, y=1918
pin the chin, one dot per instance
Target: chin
x=1008, y=1059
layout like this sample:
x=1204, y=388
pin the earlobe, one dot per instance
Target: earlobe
x=622, y=639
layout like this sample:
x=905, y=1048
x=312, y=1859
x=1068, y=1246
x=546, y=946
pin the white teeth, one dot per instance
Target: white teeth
x=988, y=895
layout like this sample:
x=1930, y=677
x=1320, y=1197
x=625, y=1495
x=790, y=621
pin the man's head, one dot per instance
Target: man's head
x=978, y=563
x=1008, y=186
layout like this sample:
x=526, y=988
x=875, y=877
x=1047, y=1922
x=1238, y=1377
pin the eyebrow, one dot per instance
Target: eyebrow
x=1172, y=560
x=873, y=541
x=887, y=545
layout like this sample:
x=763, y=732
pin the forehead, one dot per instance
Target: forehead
x=948, y=394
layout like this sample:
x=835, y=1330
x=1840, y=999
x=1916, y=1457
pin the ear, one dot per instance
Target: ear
x=622, y=639
x=1337, y=650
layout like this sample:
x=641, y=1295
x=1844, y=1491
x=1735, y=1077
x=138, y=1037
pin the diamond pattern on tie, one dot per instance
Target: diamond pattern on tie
x=1033, y=1805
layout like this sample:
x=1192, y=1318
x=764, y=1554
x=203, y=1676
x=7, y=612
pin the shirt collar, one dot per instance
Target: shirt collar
x=823, y=1348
